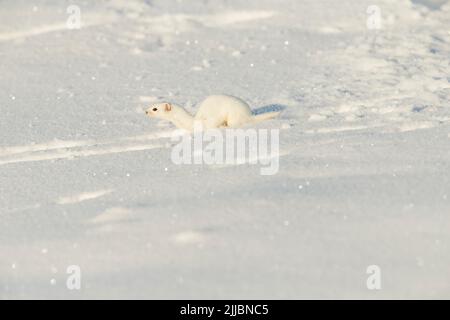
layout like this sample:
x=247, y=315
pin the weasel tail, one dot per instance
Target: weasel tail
x=265, y=116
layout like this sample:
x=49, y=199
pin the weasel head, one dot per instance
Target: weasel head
x=160, y=110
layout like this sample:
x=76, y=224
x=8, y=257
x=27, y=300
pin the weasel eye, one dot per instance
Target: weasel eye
x=155, y=109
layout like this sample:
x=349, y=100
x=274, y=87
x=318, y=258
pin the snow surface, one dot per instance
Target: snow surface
x=86, y=179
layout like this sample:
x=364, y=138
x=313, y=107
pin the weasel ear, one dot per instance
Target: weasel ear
x=168, y=107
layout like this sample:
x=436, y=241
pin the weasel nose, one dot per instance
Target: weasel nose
x=146, y=112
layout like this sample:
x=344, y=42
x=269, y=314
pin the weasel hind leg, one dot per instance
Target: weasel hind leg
x=236, y=122
x=213, y=124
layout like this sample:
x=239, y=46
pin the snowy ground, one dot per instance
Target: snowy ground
x=86, y=179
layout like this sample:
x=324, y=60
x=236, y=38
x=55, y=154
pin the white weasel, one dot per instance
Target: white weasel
x=215, y=111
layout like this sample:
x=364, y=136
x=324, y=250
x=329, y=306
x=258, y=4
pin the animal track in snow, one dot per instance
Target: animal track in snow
x=112, y=215
x=56, y=150
x=189, y=237
x=87, y=21
x=83, y=197
x=31, y=32
x=152, y=32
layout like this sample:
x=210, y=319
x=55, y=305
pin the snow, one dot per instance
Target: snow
x=87, y=180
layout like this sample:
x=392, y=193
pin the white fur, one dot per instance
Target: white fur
x=214, y=112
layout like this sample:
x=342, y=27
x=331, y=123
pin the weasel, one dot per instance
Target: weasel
x=215, y=111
